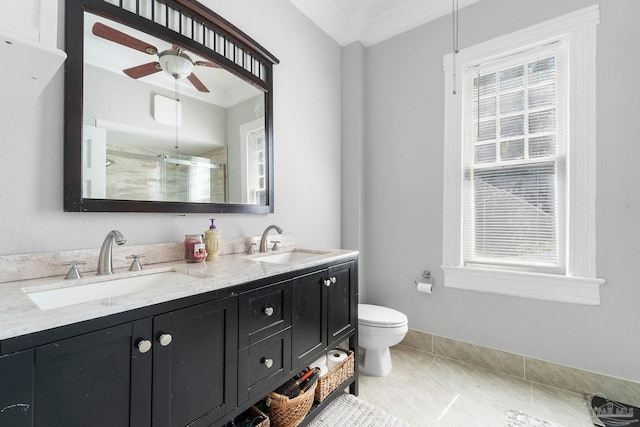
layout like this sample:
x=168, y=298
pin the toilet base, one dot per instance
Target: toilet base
x=377, y=362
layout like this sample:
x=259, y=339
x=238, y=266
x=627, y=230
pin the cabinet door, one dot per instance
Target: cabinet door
x=96, y=379
x=341, y=302
x=16, y=389
x=195, y=368
x=309, y=325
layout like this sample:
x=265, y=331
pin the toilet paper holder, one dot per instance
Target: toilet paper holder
x=426, y=283
x=427, y=277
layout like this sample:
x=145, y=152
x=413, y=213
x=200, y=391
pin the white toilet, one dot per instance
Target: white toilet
x=378, y=329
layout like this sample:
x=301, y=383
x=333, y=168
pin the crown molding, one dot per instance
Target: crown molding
x=368, y=30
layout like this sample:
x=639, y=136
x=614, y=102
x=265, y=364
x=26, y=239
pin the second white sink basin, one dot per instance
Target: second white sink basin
x=285, y=257
x=62, y=297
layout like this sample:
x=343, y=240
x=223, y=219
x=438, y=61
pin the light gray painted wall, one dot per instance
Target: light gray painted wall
x=353, y=137
x=403, y=194
x=307, y=151
x=353, y=97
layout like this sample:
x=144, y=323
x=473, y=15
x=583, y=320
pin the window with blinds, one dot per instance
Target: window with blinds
x=514, y=132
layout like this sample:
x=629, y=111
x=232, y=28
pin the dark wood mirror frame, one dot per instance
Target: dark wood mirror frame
x=226, y=45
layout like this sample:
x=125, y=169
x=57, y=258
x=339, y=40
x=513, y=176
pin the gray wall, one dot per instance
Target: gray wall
x=307, y=151
x=403, y=157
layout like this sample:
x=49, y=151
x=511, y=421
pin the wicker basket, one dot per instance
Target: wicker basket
x=287, y=412
x=255, y=412
x=336, y=376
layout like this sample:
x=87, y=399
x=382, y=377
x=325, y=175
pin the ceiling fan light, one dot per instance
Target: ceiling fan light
x=176, y=64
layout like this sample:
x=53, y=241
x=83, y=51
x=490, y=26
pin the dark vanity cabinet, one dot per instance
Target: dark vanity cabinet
x=69, y=382
x=198, y=361
x=324, y=311
x=265, y=339
x=174, y=369
x=92, y=379
x=194, y=364
x=286, y=326
x=342, y=302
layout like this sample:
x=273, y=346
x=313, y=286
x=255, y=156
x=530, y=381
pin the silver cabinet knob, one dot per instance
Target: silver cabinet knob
x=267, y=362
x=165, y=339
x=144, y=346
x=327, y=282
x=268, y=311
x=333, y=279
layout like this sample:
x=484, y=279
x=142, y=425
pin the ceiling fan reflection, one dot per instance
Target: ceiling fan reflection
x=173, y=61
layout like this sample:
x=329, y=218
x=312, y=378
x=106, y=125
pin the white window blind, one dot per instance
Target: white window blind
x=514, y=131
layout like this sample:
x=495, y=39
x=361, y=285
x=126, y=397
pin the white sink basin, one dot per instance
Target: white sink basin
x=62, y=297
x=285, y=257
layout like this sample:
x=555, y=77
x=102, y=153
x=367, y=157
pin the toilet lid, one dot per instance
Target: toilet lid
x=376, y=315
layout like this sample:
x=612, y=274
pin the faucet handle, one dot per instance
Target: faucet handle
x=275, y=245
x=251, y=250
x=135, y=264
x=73, y=272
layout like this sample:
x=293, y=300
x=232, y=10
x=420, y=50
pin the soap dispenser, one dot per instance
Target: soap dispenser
x=212, y=241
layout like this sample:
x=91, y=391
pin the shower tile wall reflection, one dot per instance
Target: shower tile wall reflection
x=134, y=173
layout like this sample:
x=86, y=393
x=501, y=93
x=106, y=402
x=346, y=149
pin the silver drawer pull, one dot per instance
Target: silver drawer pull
x=165, y=339
x=268, y=311
x=267, y=362
x=144, y=346
x=327, y=282
x=333, y=279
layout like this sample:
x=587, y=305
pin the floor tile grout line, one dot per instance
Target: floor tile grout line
x=530, y=392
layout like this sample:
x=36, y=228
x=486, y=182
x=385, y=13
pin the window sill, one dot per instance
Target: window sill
x=548, y=287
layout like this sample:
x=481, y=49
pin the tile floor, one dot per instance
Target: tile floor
x=428, y=390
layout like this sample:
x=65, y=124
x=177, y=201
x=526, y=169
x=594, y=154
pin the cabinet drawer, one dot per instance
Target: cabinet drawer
x=264, y=312
x=263, y=364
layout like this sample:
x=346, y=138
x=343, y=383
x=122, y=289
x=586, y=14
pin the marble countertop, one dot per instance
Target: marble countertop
x=19, y=315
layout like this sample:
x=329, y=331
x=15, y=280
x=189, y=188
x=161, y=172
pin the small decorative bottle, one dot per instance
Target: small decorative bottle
x=194, y=248
x=212, y=241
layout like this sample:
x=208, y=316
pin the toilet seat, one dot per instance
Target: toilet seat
x=378, y=331
x=380, y=317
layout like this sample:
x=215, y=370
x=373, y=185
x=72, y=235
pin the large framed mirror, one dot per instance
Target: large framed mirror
x=168, y=108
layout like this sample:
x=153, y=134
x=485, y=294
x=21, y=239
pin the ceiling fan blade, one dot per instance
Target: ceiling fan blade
x=207, y=64
x=195, y=81
x=106, y=32
x=142, y=70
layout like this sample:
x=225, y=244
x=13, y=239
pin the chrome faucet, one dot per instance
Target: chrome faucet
x=263, y=240
x=105, y=265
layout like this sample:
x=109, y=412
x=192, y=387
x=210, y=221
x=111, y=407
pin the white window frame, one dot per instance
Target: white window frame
x=578, y=284
x=249, y=134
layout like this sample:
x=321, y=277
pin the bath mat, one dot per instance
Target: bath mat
x=348, y=410
x=520, y=419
